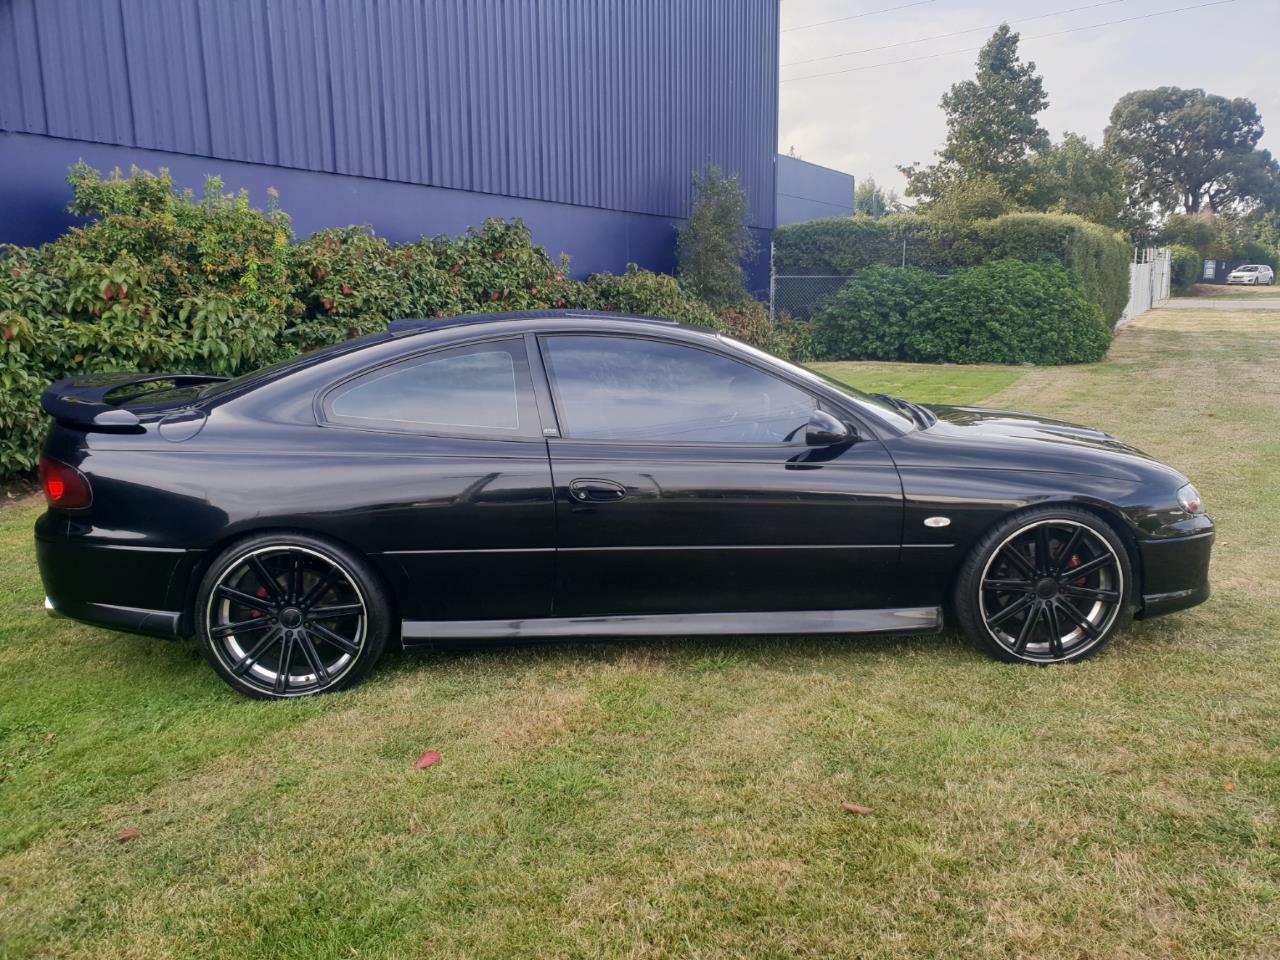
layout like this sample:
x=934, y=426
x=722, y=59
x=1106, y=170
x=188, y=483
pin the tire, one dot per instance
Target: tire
x=287, y=615
x=1019, y=599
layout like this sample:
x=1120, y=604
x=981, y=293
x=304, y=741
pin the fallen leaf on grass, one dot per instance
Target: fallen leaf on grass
x=428, y=759
x=856, y=808
x=127, y=834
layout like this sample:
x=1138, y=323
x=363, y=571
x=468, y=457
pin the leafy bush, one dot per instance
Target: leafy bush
x=28, y=354
x=1185, y=266
x=157, y=281
x=784, y=337
x=1099, y=257
x=715, y=240
x=1255, y=251
x=973, y=198
x=849, y=245
x=1202, y=232
x=351, y=282
x=868, y=318
x=642, y=292
x=1009, y=311
x=162, y=281
x=497, y=268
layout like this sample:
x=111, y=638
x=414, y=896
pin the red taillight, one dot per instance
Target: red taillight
x=64, y=487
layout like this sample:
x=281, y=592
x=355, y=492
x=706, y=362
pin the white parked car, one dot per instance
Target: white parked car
x=1252, y=273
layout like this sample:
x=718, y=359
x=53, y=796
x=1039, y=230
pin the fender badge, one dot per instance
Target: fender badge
x=937, y=521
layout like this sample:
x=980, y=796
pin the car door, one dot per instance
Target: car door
x=683, y=484
x=459, y=506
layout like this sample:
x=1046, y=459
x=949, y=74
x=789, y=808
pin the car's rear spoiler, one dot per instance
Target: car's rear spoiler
x=82, y=401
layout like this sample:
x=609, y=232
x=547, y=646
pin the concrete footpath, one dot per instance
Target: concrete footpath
x=1222, y=303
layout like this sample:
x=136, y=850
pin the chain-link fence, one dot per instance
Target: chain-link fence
x=799, y=296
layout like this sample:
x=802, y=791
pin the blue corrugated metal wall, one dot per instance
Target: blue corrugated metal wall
x=609, y=104
x=807, y=191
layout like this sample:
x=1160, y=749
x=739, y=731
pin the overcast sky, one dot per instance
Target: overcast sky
x=865, y=121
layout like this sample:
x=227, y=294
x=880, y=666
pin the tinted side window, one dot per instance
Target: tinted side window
x=482, y=389
x=629, y=389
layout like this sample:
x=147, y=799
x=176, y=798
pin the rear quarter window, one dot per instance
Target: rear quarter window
x=481, y=390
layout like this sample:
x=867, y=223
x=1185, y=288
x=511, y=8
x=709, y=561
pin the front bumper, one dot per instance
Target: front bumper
x=1175, y=572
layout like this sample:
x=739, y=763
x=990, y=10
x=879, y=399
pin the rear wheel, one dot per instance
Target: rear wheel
x=1045, y=586
x=288, y=615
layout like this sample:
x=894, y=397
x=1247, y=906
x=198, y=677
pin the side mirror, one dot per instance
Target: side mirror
x=824, y=430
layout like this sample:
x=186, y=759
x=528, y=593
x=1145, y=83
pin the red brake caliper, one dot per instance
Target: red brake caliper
x=261, y=594
x=1075, y=561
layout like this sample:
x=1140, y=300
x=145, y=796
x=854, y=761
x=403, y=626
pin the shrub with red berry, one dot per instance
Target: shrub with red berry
x=160, y=281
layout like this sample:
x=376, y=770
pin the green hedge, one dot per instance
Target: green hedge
x=869, y=317
x=162, y=281
x=1009, y=311
x=848, y=245
x=1254, y=251
x=1098, y=257
x=749, y=322
x=1185, y=266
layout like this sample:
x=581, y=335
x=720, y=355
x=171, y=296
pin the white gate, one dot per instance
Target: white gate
x=1149, y=276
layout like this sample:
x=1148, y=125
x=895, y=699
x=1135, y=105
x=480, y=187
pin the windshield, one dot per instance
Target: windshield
x=882, y=407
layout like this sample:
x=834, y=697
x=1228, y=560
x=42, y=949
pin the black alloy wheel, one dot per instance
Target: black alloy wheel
x=1047, y=586
x=288, y=615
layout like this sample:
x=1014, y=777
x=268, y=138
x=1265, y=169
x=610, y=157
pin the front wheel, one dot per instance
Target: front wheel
x=288, y=615
x=1045, y=586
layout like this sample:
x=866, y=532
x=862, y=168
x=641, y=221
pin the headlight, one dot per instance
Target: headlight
x=1189, y=497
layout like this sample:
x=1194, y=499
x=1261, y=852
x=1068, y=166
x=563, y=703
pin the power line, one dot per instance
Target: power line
x=1041, y=36
x=954, y=33
x=857, y=16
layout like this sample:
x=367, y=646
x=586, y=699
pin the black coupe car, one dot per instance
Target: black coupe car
x=559, y=474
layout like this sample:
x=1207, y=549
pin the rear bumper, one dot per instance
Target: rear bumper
x=1175, y=573
x=152, y=623
x=122, y=587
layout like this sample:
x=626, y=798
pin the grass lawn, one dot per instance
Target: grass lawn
x=925, y=383
x=681, y=798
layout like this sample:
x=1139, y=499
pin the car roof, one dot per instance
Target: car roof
x=463, y=329
x=415, y=325
x=538, y=320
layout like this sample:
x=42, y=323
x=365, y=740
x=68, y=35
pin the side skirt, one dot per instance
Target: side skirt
x=904, y=620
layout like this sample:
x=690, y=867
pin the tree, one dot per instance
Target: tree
x=977, y=198
x=1192, y=151
x=1249, y=239
x=991, y=124
x=1203, y=232
x=715, y=240
x=871, y=199
x=1076, y=177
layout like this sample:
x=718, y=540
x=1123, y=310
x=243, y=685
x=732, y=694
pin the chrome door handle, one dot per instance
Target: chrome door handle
x=593, y=490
